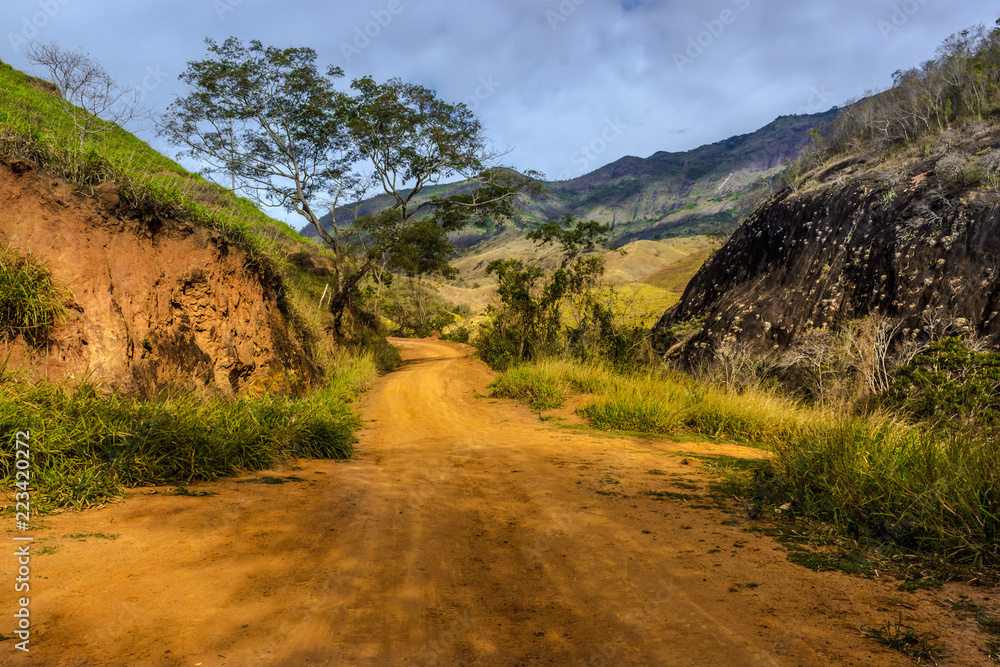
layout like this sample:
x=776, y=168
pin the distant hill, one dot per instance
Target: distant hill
x=681, y=194
x=666, y=194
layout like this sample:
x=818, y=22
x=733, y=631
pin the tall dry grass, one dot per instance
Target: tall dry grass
x=874, y=476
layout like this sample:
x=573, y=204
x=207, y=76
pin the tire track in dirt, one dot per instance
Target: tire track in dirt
x=466, y=532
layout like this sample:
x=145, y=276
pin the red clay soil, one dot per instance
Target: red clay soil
x=466, y=532
x=156, y=303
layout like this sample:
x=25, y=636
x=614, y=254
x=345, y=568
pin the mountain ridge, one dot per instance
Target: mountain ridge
x=667, y=194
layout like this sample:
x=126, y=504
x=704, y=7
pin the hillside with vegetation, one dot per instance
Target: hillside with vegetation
x=156, y=327
x=666, y=195
x=696, y=192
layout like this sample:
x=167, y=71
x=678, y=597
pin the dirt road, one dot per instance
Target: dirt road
x=466, y=532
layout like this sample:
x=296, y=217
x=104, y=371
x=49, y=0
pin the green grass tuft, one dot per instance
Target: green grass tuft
x=538, y=386
x=903, y=638
x=88, y=447
x=30, y=304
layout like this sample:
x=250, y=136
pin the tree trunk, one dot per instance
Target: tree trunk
x=342, y=297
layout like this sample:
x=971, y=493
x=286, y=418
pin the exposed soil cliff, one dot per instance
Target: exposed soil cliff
x=156, y=304
x=913, y=236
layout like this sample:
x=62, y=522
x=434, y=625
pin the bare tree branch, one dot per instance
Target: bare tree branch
x=94, y=102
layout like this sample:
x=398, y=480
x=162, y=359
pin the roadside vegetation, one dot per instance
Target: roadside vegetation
x=925, y=111
x=867, y=467
x=563, y=312
x=89, y=446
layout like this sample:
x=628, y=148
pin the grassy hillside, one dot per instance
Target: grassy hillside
x=90, y=443
x=32, y=126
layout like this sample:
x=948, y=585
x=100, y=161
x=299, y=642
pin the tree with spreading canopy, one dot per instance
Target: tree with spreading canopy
x=274, y=123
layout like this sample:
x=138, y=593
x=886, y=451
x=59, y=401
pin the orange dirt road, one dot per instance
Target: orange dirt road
x=466, y=532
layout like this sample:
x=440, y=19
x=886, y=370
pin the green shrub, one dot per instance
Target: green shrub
x=458, y=334
x=949, y=382
x=540, y=386
x=385, y=355
x=498, y=351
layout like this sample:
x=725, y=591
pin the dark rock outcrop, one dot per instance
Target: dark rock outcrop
x=906, y=239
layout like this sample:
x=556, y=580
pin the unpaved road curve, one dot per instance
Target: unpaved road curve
x=467, y=532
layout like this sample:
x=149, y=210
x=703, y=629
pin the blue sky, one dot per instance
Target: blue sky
x=566, y=85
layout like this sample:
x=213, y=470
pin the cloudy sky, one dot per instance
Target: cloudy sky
x=567, y=85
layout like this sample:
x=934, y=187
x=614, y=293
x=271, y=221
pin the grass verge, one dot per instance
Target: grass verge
x=894, y=486
x=30, y=304
x=657, y=403
x=87, y=447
